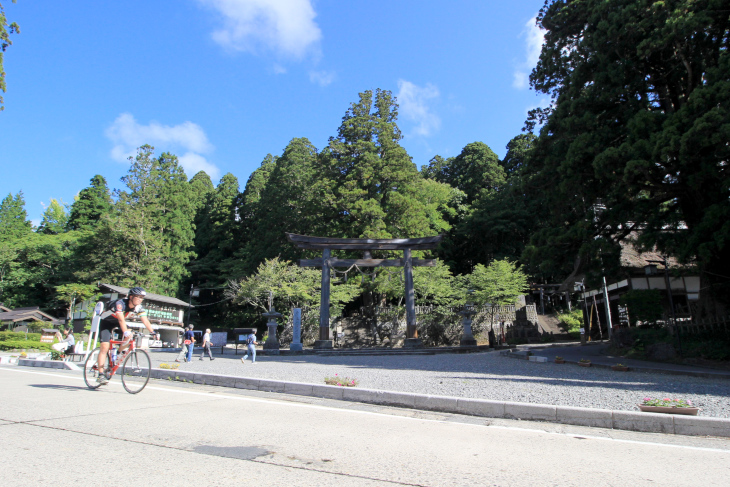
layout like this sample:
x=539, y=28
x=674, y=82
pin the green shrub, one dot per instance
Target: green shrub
x=18, y=335
x=571, y=321
x=24, y=345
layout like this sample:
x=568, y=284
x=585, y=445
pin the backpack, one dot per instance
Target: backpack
x=249, y=340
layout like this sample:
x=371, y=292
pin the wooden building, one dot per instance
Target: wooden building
x=18, y=319
x=641, y=271
x=167, y=314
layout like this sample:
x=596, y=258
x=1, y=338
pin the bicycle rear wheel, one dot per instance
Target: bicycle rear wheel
x=90, y=371
x=136, y=371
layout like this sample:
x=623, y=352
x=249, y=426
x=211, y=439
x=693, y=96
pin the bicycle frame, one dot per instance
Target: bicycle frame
x=114, y=365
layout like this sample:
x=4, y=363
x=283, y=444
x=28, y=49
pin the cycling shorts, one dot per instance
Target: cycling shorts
x=105, y=330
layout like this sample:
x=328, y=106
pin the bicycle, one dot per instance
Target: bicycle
x=135, y=363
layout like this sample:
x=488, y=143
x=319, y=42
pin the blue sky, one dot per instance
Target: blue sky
x=222, y=83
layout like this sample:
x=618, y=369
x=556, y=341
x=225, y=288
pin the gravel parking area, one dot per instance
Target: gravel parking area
x=484, y=375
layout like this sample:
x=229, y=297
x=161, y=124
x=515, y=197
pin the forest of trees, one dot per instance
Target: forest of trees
x=638, y=120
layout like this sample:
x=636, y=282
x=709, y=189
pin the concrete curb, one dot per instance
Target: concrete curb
x=49, y=364
x=600, y=418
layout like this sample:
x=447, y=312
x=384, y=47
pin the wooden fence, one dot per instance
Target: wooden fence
x=713, y=327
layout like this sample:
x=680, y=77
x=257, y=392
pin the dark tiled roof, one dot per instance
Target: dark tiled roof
x=150, y=296
x=28, y=314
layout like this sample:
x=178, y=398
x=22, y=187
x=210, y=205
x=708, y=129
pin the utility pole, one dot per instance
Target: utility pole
x=608, y=309
x=190, y=303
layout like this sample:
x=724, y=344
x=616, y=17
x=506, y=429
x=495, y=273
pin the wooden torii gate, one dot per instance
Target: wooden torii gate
x=366, y=245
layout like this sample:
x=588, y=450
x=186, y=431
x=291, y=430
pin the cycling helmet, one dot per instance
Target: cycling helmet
x=138, y=291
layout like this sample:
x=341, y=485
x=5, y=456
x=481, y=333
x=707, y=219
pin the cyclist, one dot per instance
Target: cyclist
x=116, y=316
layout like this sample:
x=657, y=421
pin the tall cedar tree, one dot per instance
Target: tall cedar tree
x=289, y=202
x=149, y=237
x=247, y=206
x=477, y=173
x=501, y=222
x=14, y=222
x=215, y=236
x=369, y=179
x=55, y=219
x=91, y=204
x=640, y=119
x=5, y=31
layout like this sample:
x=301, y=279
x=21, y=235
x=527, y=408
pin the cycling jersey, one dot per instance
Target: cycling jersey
x=109, y=321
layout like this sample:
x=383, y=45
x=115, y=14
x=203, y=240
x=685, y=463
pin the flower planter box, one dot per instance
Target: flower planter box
x=620, y=368
x=584, y=364
x=669, y=410
x=561, y=361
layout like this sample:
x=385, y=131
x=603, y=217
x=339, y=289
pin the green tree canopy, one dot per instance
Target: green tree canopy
x=639, y=120
x=55, y=219
x=201, y=186
x=14, y=222
x=148, y=238
x=499, y=283
x=370, y=182
x=5, y=31
x=90, y=205
x=475, y=169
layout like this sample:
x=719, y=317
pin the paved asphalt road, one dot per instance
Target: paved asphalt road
x=56, y=431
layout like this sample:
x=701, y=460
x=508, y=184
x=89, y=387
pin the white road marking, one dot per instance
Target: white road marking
x=424, y=420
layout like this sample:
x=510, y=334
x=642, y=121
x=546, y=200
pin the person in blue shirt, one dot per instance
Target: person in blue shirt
x=189, y=337
x=251, y=348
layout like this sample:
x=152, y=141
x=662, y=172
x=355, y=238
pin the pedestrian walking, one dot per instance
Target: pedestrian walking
x=190, y=342
x=182, y=354
x=251, y=348
x=206, y=345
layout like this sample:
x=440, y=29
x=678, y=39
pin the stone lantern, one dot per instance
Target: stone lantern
x=271, y=346
x=467, y=340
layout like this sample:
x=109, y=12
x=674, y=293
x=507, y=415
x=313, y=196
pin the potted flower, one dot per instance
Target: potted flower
x=559, y=359
x=620, y=367
x=668, y=406
x=340, y=381
x=584, y=362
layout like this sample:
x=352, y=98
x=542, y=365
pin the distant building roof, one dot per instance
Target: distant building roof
x=150, y=296
x=631, y=258
x=28, y=314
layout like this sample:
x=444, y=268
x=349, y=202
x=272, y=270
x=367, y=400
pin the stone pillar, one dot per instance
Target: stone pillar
x=325, y=341
x=296, y=344
x=467, y=340
x=271, y=346
x=412, y=340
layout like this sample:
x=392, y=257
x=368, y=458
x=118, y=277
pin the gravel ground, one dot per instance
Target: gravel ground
x=479, y=375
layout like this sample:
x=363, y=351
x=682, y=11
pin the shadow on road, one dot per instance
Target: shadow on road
x=60, y=387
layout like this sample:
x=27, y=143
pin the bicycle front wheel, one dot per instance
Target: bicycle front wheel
x=90, y=370
x=136, y=371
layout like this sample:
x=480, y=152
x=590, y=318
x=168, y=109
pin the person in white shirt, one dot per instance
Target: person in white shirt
x=206, y=345
x=67, y=344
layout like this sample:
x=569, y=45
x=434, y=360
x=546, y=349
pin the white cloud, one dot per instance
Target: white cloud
x=127, y=135
x=193, y=163
x=412, y=100
x=534, y=39
x=322, y=78
x=285, y=26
